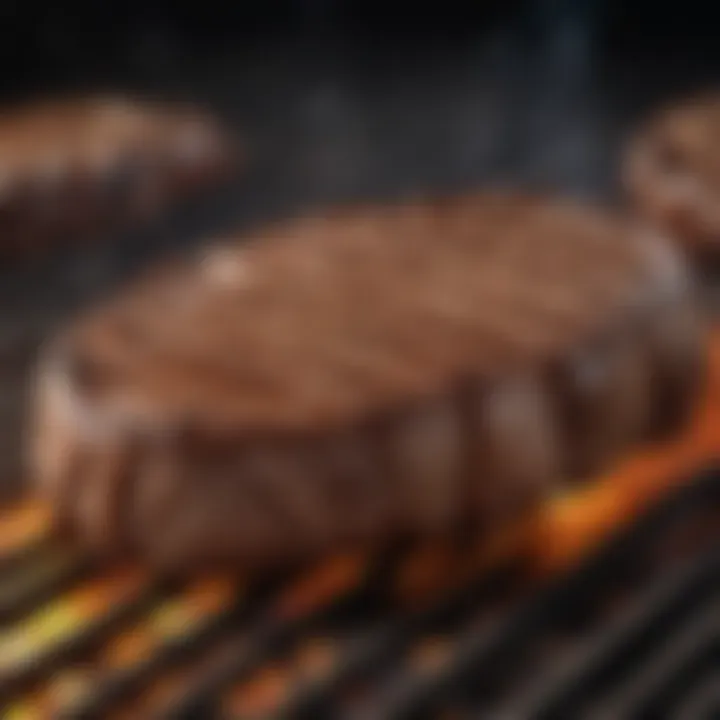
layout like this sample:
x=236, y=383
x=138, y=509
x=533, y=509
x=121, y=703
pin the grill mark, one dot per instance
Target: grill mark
x=366, y=351
x=349, y=356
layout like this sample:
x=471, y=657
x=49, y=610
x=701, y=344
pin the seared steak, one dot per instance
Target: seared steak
x=364, y=376
x=70, y=168
x=672, y=173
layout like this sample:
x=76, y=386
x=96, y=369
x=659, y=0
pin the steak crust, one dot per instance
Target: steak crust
x=373, y=374
x=70, y=168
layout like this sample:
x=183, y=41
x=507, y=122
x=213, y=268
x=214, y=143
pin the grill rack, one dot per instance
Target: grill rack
x=549, y=620
x=632, y=630
x=560, y=691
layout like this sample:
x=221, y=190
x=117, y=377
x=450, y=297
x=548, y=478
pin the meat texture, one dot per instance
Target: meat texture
x=363, y=377
x=68, y=169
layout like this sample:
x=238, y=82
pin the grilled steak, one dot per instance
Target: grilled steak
x=368, y=375
x=69, y=168
x=672, y=174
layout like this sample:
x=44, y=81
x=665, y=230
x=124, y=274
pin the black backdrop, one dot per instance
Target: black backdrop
x=339, y=99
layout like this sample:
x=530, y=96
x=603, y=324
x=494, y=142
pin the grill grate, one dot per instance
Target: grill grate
x=632, y=632
x=545, y=622
x=571, y=663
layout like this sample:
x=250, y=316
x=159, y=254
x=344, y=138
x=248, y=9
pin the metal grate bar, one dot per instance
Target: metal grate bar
x=703, y=700
x=18, y=557
x=388, y=655
x=24, y=531
x=271, y=631
x=576, y=679
x=128, y=594
x=43, y=573
x=378, y=647
x=121, y=684
x=687, y=648
x=481, y=652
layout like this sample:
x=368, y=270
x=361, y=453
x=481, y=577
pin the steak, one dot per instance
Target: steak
x=672, y=174
x=70, y=168
x=371, y=375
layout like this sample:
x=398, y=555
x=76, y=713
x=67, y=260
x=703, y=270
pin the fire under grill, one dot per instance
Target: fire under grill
x=603, y=605
x=630, y=631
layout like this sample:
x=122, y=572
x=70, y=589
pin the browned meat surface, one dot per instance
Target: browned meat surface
x=364, y=376
x=70, y=168
x=673, y=174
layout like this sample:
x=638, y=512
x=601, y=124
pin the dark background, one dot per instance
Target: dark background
x=345, y=99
